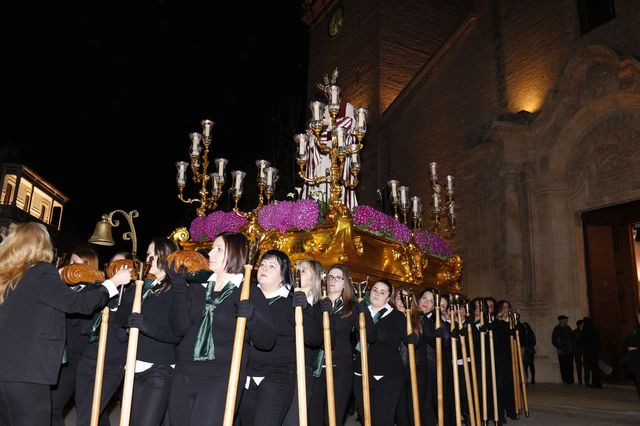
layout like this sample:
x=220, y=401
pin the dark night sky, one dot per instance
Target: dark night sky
x=99, y=99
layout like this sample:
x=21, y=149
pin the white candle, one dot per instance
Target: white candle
x=403, y=195
x=433, y=167
x=393, y=187
x=334, y=93
x=415, y=204
x=206, y=127
x=360, y=118
x=449, y=183
x=339, y=132
x=182, y=168
x=238, y=181
x=436, y=202
x=302, y=144
x=221, y=167
x=269, y=176
x=355, y=160
x=315, y=110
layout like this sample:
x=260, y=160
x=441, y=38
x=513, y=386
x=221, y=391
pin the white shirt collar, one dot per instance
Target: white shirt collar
x=282, y=291
x=236, y=279
x=386, y=306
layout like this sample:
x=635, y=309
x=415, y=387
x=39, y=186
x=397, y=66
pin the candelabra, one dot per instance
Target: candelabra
x=267, y=178
x=337, y=150
x=400, y=200
x=199, y=168
x=442, y=210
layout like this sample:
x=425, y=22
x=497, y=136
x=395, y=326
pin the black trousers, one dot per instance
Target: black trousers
x=566, y=368
x=25, y=404
x=592, y=371
x=384, y=394
x=267, y=404
x=62, y=391
x=529, y=365
x=198, y=401
x=111, y=380
x=577, y=359
x=151, y=390
x=343, y=387
x=293, y=414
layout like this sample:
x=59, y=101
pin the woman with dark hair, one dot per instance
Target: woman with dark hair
x=271, y=375
x=271, y=372
x=63, y=390
x=404, y=410
x=205, y=315
x=157, y=342
x=33, y=303
x=344, y=310
x=504, y=374
x=426, y=357
x=385, y=363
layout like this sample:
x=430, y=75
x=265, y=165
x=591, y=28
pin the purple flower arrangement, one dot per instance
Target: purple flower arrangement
x=301, y=215
x=433, y=244
x=207, y=228
x=372, y=220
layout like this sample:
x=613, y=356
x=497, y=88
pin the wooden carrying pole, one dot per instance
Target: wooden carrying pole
x=454, y=361
x=474, y=373
x=483, y=362
x=523, y=380
x=469, y=372
x=97, y=384
x=132, y=351
x=364, y=365
x=300, y=364
x=328, y=359
x=236, y=356
x=412, y=363
x=514, y=368
x=494, y=387
x=465, y=368
x=439, y=366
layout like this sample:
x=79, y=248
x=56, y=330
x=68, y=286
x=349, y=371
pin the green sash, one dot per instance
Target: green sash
x=319, y=359
x=204, y=349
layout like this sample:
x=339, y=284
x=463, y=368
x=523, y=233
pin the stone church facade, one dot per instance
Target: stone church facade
x=536, y=115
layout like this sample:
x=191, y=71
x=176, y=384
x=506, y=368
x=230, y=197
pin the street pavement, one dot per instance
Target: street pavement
x=549, y=405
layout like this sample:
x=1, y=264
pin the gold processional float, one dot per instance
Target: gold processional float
x=372, y=244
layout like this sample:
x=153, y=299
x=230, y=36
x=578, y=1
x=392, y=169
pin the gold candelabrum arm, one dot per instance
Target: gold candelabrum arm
x=442, y=211
x=201, y=176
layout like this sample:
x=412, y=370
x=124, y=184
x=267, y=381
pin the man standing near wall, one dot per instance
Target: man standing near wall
x=561, y=340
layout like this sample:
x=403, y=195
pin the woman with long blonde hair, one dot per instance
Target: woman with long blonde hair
x=33, y=303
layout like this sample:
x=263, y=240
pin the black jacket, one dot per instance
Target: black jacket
x=32, y=324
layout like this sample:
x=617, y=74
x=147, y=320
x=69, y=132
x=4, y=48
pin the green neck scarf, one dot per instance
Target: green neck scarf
x=204, y=349
x=319, y=359
x=376, y=318
x=94, y=336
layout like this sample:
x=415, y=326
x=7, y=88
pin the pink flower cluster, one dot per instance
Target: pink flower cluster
x=379, y=223
x=367, y=217
x=433, y=244
x=207, y=228
x=301, y=215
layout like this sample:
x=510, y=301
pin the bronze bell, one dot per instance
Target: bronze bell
x=102, y=234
